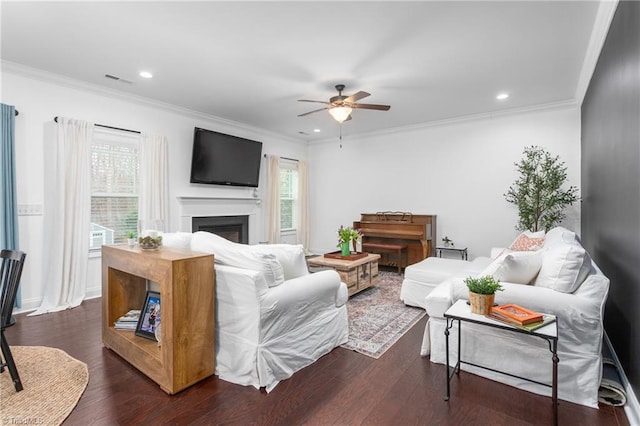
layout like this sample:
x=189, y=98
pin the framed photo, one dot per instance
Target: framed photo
x=149, y=316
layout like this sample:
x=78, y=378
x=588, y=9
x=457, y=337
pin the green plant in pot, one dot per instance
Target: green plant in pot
x=538, y=192
x=482, y=291
x=447, y=241
x=131, y=238
x=345, y=236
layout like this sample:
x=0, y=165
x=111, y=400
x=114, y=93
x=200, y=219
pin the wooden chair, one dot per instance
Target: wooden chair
x=10, y=272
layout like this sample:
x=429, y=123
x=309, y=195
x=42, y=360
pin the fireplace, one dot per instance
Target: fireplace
x=233, y=228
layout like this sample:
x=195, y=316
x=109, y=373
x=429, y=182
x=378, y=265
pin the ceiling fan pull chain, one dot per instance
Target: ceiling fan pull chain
x=340, y=135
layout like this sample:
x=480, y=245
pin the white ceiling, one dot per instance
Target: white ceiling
x=250, y=62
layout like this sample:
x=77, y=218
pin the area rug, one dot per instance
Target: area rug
x=53, y=383
x=378, y=318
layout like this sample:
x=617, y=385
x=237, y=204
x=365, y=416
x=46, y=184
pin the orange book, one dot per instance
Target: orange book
x=516, y=313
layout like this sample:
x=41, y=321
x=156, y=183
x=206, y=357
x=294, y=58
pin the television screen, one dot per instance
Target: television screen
x=224, y=159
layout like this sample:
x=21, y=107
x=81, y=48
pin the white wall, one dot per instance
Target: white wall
x=40, y=97
x=458, y=171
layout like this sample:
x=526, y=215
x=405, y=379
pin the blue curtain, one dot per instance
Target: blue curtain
x=8, y=196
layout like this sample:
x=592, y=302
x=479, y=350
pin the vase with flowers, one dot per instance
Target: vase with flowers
x=345, y=236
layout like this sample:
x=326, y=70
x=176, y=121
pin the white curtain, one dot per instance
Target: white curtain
x=273, y=200
x=303, y=202
x=67, y=214
x=153, y=209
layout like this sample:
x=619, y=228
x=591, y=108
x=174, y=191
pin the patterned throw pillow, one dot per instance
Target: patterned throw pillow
x=528, y=242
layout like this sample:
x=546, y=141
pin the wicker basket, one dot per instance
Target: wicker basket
x=481, y=303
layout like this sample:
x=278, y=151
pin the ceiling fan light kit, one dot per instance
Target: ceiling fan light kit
x=340, y=107
x=340, y=113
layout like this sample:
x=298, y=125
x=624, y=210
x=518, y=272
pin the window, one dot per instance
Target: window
x=114, y=187
x=288, y=195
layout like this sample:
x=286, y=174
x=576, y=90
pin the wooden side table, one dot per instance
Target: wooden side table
x=461, y=250
x=187, y=351
x=357, y=274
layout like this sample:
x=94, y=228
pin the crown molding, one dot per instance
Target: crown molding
x=604, y=16
x=458, y=120
x=49, y=77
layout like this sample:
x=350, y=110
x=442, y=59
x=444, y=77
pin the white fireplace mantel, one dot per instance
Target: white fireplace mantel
x=199, y=206
x=191, y=198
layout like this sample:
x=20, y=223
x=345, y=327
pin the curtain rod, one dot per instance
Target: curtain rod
x=109, y=127
x=284, y=158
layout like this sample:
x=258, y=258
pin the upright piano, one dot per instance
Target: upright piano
x=416, y=231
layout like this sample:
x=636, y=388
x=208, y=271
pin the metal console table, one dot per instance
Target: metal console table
x=461, y=312
x=460, y=250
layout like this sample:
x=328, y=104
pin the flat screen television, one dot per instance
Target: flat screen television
x=224, y=159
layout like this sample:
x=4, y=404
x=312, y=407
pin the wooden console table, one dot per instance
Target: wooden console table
x=186, y=279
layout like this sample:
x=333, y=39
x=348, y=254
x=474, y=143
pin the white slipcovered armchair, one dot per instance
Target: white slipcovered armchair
x=272, y=316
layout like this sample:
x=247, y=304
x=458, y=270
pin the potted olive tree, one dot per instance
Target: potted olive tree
x=538, y=192
x=482, y=291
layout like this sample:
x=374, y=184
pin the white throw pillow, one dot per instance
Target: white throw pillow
x=179, y=240
x=564, y=268
x=239, y=255
x=272, y=270
x=290, y=256
x=516, y=267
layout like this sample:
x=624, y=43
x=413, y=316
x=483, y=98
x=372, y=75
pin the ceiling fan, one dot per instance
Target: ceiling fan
x=340, y=106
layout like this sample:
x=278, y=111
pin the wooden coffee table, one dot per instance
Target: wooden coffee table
x=357, y=274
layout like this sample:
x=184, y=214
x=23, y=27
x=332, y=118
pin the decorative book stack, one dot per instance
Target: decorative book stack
x=128, y=321
x=520, y=317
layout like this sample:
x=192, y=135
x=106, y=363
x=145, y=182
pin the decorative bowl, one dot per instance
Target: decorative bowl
x=149, y=242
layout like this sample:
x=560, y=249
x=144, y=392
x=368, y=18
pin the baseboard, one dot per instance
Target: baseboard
x=632, y=407
x=31, y=305
x=27, y=305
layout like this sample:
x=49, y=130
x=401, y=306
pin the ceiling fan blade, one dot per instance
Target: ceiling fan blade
x=317, y=102
x=356, y=97
x=311, y=112
x=372, y=106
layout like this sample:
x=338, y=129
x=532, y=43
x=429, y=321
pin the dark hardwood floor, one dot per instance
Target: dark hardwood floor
x=343, y=387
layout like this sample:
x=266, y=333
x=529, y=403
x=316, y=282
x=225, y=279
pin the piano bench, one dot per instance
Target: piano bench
x=380, y=248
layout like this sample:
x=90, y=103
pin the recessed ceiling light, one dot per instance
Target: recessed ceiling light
x=502, y=96
x=316, y=130
x=145, y=74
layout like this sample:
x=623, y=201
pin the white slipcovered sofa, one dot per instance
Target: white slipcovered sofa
x=560, y=279
x=272, y=316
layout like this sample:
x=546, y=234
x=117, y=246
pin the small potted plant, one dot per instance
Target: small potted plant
x=131, y=238
x=345, y=236
x=482, y=291
x=447, y=241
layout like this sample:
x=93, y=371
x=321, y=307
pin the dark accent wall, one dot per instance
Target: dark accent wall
x=611, y=181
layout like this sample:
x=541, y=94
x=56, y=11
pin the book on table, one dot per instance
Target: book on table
x=128, y=321
x=519, y=317
x=546, y=319
x=516, y=314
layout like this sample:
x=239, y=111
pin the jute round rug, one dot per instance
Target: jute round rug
x=53, y=383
